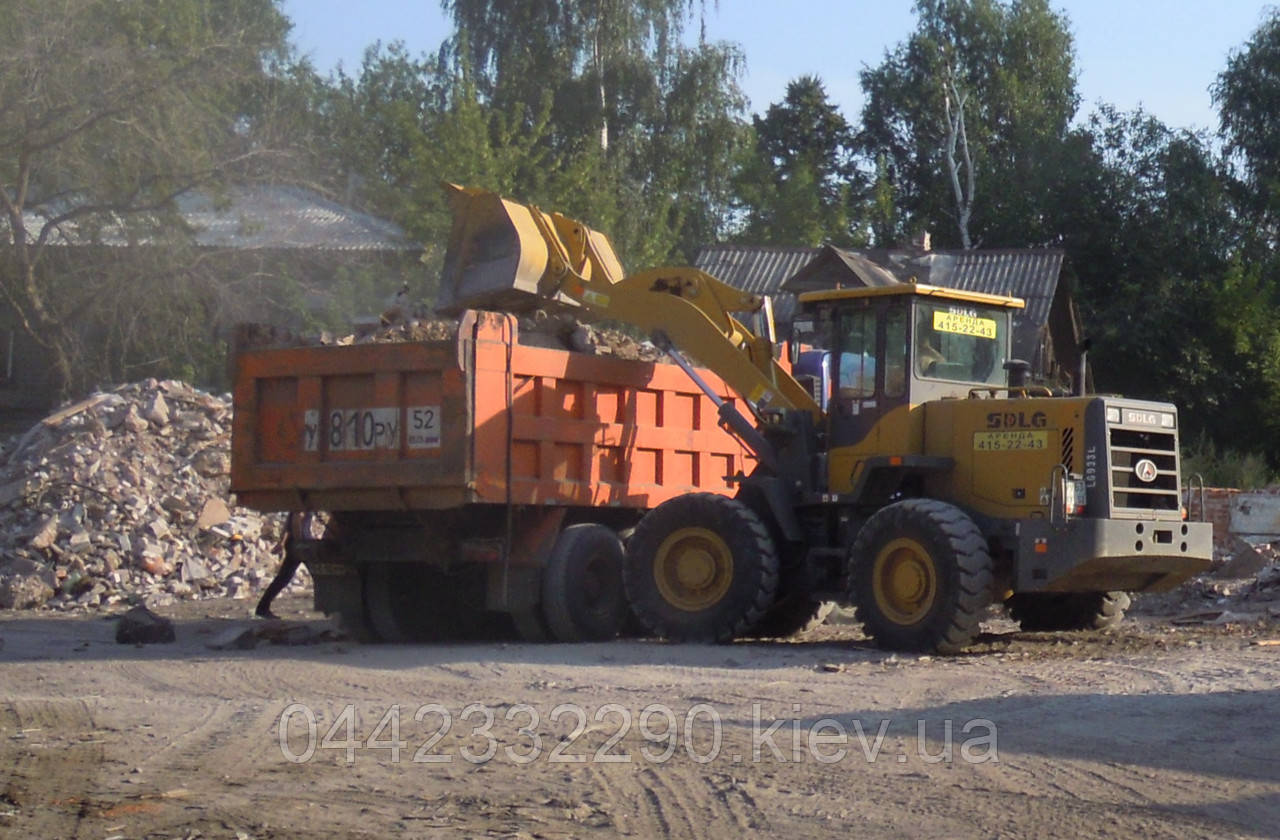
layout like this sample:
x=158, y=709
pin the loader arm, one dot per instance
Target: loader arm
x=513, y=256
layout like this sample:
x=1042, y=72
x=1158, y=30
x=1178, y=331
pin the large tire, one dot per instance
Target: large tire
x=582, y=594
x=412, y=602
x=1051, y=611
x=797, y=613
x=700, y=568
x=920, y=577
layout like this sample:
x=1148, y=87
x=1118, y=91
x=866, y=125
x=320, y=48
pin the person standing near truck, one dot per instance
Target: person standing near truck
x=297, y=526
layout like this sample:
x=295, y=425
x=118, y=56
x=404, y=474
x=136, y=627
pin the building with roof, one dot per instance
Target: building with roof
x=274, y=253
x=1046, y=333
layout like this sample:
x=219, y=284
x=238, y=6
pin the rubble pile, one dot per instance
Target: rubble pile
x=1243, y=587
x=559, y=330
x=123, y=498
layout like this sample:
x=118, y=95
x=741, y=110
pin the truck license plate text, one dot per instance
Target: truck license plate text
x=362, y=429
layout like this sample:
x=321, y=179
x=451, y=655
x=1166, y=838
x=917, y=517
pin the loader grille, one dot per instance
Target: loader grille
x=1133, y=487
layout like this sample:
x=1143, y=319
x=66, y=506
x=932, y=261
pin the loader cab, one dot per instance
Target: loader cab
x=865, y=353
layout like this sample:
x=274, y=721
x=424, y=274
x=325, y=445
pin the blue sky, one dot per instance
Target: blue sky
x=1162, y=55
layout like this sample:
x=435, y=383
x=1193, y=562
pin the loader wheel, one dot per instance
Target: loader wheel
x=920, y=577
x=700, y=568
x=797, y=613
x=1049, y=611
x=582, y=595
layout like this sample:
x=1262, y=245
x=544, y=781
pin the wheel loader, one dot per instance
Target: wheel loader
x=903, y=462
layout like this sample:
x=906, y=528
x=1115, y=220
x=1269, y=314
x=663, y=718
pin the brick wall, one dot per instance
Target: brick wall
x=1217, y=505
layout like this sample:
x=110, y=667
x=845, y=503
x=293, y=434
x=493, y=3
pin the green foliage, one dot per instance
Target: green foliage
x=800, y=185
x=1015, y=63
x=108, y=110
x=1246, y=93
x=1226, y=467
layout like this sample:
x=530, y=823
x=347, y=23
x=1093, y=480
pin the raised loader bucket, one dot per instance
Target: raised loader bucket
x=512, y=257
x=496, y=255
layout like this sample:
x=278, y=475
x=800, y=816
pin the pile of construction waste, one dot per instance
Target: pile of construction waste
x=1242, y=587
x=556, y=329
x=123, y=497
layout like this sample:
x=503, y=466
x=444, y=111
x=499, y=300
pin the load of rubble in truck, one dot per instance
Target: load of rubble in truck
x=893, y=465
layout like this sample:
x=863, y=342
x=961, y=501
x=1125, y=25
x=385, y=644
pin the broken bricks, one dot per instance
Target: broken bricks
x=124, y=496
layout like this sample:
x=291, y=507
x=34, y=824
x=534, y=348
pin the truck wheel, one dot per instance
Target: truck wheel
x=582, y=595
x=530, y=625
x=1049, y=611
x=394, y=596
x=700, y=568
x=920, y=577
x=797, y=613
x=412, y=602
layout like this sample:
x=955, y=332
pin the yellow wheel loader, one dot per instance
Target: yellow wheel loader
x=903, y=462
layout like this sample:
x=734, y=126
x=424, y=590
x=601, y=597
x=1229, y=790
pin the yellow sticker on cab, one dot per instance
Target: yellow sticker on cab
x=958, y=323
x=1012, y=440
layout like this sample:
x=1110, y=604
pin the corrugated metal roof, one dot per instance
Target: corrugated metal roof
x=758, y=269
x=1030, y=274
x=257, y=218
x=753, y=268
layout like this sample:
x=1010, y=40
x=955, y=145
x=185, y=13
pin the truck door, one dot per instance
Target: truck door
x=870, y=362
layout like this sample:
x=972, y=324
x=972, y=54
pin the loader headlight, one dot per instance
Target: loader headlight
x=1075, y=496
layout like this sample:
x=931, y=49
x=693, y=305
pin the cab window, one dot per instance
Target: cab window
x=857, y=357
x=956, y=343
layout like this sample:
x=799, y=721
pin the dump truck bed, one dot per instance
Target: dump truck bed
x=483, y=419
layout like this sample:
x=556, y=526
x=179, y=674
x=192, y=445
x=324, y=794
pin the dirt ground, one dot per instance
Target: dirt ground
x=1149, y=731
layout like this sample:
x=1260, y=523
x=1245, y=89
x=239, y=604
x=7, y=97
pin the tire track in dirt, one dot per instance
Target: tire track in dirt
x=740, y=804
x=55, y=755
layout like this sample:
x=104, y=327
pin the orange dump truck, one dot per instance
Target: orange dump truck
x=475, y=483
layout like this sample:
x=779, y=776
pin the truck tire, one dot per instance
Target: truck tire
x=530, y=625
x=1050, y=611
x=797, y=613
x=700, y=568
x=920, y=577
x=582, y=594
x=412, y=602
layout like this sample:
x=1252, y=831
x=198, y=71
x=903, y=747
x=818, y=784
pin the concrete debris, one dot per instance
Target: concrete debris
x=140, y=626
x=1243, y=587
x=123, y=498
x=21, y=592
x=556, y=329
x=241, y=637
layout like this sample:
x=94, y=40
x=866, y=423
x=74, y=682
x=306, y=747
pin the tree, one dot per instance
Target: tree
x=637, y=131
x=1146, y=217
x=109, y=109
x=799, y=187
x=1245, y=94
x=543, y=44
x=1005, y=73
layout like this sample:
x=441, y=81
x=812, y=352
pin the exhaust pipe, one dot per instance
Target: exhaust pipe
x=1083, y=372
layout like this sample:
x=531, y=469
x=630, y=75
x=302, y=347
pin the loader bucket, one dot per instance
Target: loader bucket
x=496, y=255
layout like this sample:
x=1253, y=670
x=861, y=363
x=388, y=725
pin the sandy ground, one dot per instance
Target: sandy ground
x=1149, y=731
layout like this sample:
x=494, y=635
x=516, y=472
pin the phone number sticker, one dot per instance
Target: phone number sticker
x=959, y=323
x=1010, y=441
